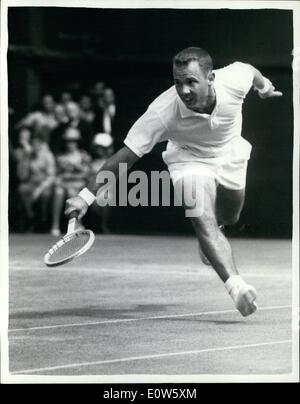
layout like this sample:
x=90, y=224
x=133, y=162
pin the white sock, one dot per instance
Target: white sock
x=233, y=285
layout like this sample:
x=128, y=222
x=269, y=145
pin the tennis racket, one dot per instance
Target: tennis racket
x=73, y=244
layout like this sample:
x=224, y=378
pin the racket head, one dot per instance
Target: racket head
x=70, y=246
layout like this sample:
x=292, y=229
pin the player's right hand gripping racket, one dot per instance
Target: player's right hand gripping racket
x=73, y=244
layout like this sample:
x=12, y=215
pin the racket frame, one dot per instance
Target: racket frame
x=65, y=239
x=70, y=234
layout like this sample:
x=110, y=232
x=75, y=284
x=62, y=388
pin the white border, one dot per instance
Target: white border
x=4, y=285
x=180, y=4
x=296, y=102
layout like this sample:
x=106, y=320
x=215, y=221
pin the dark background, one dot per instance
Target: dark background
x=51, y=49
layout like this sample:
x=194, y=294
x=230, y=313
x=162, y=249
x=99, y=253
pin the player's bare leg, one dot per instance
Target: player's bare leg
x=215, y=246
x=229, y=205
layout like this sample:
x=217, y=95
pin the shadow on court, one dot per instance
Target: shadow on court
x=91, y=311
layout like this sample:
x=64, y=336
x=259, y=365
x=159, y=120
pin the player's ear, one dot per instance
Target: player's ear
x=211, y=78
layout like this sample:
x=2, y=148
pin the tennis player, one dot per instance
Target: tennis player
x=201, y=117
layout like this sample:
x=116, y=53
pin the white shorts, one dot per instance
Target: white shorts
x=229, y=170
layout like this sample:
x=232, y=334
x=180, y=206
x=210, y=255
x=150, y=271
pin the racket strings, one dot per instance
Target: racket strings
x=69, y=246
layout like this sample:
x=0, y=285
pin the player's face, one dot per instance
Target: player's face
x=192, y=85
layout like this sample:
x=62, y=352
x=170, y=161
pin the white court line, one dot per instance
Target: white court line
x=154, y=356
x=127, y=320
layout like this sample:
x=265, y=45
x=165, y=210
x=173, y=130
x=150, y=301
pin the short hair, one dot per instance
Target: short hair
x=187, y=55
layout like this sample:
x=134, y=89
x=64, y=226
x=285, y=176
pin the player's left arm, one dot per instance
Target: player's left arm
x=263, y=85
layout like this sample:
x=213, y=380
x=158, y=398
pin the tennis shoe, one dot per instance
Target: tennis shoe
x=245, y=300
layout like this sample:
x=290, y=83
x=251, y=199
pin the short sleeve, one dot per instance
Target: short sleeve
x=238, y=76
x=145, y=133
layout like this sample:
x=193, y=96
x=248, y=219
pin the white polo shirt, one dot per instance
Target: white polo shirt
x=203, y=135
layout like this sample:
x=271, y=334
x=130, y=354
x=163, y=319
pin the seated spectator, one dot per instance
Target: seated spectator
x=73, y=168
x=102, y=150
x=43, y=121
x=74, y=121
x=19, y=151
x=97, y=91
x=86, y=109
x=18, y=144
x=65, y=97
x=23, y=147
x=60, y=114
x=105, y=112
x=36, y=173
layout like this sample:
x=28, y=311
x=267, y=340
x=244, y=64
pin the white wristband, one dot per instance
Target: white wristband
x=266, y=87
x=87, y=196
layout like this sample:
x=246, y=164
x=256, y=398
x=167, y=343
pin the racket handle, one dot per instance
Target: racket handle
x=73, y=214
x=72, y=221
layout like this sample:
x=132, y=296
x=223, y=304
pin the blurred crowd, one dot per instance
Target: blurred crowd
x=53, y=152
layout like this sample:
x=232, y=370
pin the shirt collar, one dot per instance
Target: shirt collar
x=186, y=112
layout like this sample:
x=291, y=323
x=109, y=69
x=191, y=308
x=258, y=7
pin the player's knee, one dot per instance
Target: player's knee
x=231, y=219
